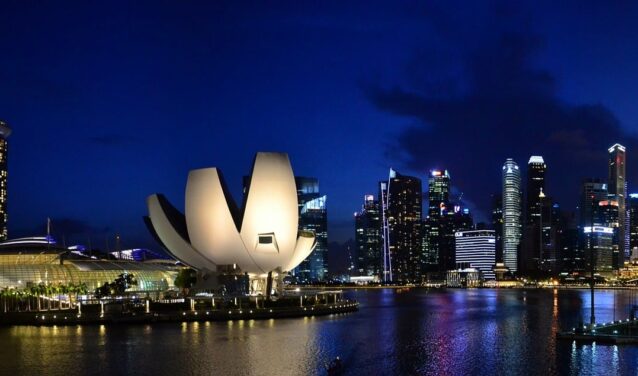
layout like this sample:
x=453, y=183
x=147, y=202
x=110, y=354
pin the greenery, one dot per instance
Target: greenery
x=116, y=288
x=41, y=296
x=185, y=279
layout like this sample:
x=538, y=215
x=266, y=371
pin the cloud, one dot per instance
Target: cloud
x=508, y=107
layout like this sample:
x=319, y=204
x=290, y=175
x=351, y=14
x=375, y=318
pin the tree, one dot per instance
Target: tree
x=185, y=279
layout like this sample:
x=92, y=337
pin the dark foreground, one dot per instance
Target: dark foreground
x=430, y=332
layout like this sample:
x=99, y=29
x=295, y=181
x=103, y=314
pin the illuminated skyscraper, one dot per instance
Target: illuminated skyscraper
x=313, y=216
x=438, y=204
x=5, y=131
x=512, y=207
x=368, y=238
x=535, y=184
x=633, y=221
x=618, y=192
x=401, y=198
x=476, y=249
x=594, y=191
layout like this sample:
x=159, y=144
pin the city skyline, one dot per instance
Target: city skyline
x=95, y=124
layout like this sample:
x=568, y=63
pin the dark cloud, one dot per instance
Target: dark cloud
x=508, y=108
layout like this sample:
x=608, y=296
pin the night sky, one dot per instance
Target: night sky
x=110, y=102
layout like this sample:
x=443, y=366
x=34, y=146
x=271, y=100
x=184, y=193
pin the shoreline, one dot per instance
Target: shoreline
x=72, y=317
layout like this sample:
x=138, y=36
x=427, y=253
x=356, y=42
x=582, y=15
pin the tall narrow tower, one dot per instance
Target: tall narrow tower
x=511, y=213
x=5, y=131
x=535, y=185
x=618, y=191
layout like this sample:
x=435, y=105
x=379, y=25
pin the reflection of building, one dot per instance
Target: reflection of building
x=401, y=200
x=601, y=241
x=5, y=131
x=511, y=214
x=478, y=250
x=28, y=262
x=618, y=192
x=368, y=238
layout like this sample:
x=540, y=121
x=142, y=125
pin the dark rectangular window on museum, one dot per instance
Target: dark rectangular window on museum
x=265, y=240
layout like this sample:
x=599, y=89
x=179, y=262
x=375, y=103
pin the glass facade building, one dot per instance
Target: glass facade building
x=313, y=217
x=512, y=207
x=402, y=210
x=368, y=238
x=25, y=263
x=477, y=249
x=618, y=192
x=5, y=131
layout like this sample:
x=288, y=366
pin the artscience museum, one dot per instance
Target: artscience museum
x=259, y=240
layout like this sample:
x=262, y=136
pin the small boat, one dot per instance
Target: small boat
x=335, y=367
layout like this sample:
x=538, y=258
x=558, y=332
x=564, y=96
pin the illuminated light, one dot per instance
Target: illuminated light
x=271, y=311
x=536, y=159
x=229, y=312
x=184, y=314
x=598, y=229
x=207, y=313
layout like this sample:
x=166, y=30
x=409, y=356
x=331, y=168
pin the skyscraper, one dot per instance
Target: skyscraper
x=401, y=198
x=594, y=191
x=368, y=238
x=497, y=224
x=535, y=185
x=313, y=216
x=633, y=221
x=477, y=249
x=5, y=131
x=436, y=254
x=511, y=213
x=618, y=192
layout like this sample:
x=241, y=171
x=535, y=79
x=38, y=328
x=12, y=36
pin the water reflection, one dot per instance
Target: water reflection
x=420, y=332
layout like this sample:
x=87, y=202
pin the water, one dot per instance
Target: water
x=429, y=332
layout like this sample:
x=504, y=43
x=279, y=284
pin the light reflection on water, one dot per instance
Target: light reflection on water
x=453, y=332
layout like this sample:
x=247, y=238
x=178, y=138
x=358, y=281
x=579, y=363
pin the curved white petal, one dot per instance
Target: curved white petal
x=211, y=226
x=305, y=245
x=271, y=211
x=172, y=240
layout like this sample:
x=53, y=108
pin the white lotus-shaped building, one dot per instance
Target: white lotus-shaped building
x=260, y=237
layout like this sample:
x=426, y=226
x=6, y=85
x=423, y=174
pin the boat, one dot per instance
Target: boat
x=335, y=367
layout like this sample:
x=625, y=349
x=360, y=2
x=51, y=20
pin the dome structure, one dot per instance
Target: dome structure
x=260, y=237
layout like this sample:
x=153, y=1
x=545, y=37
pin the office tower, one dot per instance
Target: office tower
x=594, y=191
x=452, y=221
x=607, y=213
x=368, y=238
x=476, y=249
x=401, y=198
x=313, y=216
x=511, y=214
x=437, y=255
x=633, y=221
x=497, y=224
x=5, y=131
x=618, y=191
x=536, y=168
x=602, y=238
